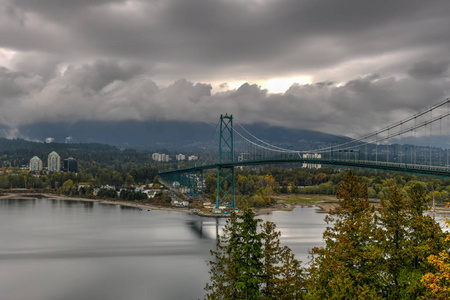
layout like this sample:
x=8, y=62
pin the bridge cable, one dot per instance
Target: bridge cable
x=395, y=125
x=360, y=139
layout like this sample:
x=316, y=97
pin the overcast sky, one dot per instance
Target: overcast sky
x=343, y=67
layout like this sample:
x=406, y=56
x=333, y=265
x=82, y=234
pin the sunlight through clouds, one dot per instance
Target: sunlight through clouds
x=280, y=85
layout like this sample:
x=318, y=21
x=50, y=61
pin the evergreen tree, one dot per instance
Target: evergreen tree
x=408, y=237
x=347, y=267
x=252, y=265
x=283, y=278
x=426, y=238
x=237, y=269
x=245, y=249
x=222, y=279
x=394, y=240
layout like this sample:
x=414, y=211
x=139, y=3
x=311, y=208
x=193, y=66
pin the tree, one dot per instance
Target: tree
x=426, y=238
x=394, y=240
x=282, y=273
x=437, y=283
x=370, y=257
x=252, y=265
x=68, y=188
x=107, y=193
x=129, y=180
x=245, y=247
x=223, y=277
x=347, y=267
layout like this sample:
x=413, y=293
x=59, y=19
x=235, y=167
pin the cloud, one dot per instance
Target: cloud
x=425, y=70
x=221, y=40
x=369, y=63
x=110, y=91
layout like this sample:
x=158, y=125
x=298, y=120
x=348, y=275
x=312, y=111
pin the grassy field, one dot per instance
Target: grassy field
x=305, y=199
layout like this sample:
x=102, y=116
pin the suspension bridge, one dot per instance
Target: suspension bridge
x=405, y=146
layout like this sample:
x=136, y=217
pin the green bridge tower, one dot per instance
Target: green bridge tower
x=225, y=174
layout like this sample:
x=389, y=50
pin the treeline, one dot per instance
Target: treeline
x=93, y=177
x=255, y=187
x=397, y=253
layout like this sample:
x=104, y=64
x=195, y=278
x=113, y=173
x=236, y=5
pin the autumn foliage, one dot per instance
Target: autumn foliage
x=437, y=282
x=394, y=252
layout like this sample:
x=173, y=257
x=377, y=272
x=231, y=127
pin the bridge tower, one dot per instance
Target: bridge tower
x=225, y=174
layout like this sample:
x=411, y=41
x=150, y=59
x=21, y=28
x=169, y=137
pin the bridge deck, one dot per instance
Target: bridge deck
x=441, y=171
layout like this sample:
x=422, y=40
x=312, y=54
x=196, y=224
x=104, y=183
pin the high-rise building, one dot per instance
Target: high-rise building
x=70, y=165
x=180, y=157
x=35, y=164
x=54, y=162
x=160, y=157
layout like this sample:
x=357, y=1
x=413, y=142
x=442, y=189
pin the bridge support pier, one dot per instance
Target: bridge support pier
x=225, y=195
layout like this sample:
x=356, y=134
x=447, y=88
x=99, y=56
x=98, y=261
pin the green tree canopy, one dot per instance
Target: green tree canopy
x=250, y=263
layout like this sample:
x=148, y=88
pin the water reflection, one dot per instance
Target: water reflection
x=54, y=249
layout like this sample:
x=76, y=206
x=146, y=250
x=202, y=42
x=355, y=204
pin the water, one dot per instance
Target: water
x=58, y=250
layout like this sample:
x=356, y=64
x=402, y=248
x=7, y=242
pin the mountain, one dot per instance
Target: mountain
x=170, y=135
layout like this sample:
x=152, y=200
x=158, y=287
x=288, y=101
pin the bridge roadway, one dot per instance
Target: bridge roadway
x=440, y=171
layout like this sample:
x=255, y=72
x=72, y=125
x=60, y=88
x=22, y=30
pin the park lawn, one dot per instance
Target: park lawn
x=305, y=199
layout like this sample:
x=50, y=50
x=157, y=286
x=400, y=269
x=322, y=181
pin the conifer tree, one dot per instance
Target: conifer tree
x=237, y=270
x=283, y=277
x=245, y=249
x=251, y=264
x=222, y=279
x=426, y=238
x=347, y=266
x=393, y=240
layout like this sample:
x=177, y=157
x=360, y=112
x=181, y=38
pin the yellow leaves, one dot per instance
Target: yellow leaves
x=438, y=283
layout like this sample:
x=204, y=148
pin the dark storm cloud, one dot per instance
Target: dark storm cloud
x=123, y=60
x=187, y=38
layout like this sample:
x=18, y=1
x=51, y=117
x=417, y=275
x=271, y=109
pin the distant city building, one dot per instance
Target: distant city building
x=160, y=157
x=35, y=164
x=243, y=156
x=309, y=165
x=70, y=165
x=192, y=157
x=180, y=157
x=54, y=162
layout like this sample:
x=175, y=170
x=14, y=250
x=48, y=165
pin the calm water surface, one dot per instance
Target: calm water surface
x=57, y=250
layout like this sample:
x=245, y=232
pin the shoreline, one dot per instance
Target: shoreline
x=324, y=207
x=145, y=206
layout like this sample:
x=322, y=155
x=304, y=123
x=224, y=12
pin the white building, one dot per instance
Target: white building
x=312, y=156
x=160, y=157
x=193, y=157
x=35, y=164
x=180, y=157
x=243, y=156
x=54, y=162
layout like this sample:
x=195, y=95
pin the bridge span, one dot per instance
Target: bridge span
x=387, y=149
